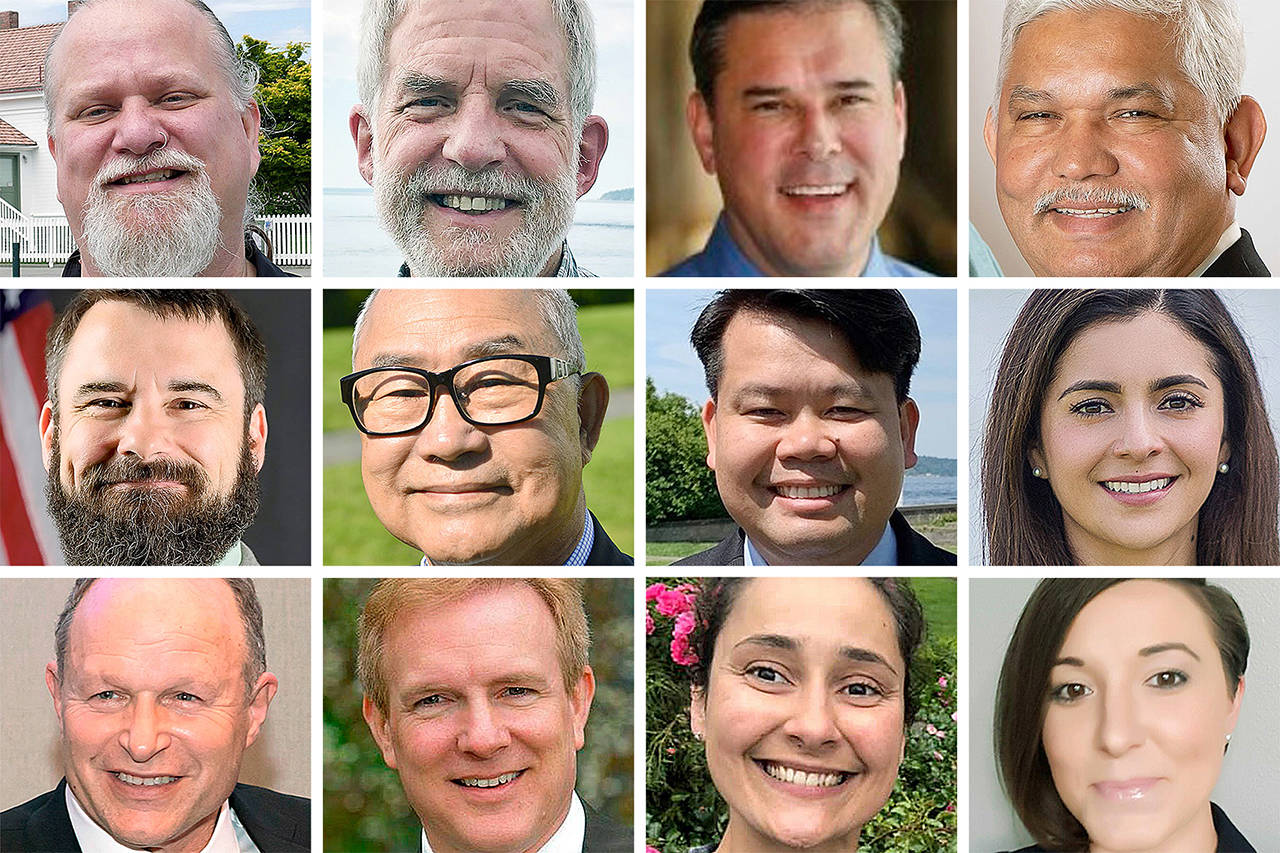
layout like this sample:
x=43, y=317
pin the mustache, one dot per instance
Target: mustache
x=131, y=469
x=450, y=178
x=1097, y=196
x=164, y=158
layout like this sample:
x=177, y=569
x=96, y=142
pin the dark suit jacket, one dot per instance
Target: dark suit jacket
x=603, y=551
x=604, y=835
x=1240, y=259
x=913, y=549
x=1229, y=838
x=277, y=823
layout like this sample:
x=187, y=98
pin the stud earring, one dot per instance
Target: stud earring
x=1038, y=473
x=698, y=736
x=1228, y=737
x=1224, y=468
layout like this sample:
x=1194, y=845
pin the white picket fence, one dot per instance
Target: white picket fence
x=47, y=239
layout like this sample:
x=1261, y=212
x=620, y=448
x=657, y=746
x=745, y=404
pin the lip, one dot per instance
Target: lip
x=149, y=186
x=462, y=496
x=1125, y=790
x=493, y=792
x=807, y=494
x=816, y=197
x=143, y=792
x=1139, y=498
x=1083, y=226
x=807, y=792
x=472, y=218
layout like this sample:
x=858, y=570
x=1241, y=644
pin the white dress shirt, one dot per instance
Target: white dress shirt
x=567, y=839
x=884, y=554
x=229, y=835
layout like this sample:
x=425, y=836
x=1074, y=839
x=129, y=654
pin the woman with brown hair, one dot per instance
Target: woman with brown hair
x=1127, y=427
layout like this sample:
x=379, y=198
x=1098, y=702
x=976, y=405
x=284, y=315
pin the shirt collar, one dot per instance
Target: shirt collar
x=568, y=266
x=1226, y=241
x=232, y=557
x=92, y=838
x=578, y=556
x=567, y=839
x=884, y=554
x=728, y=259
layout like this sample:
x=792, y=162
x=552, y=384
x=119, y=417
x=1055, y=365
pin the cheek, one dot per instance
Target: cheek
x=876, y=736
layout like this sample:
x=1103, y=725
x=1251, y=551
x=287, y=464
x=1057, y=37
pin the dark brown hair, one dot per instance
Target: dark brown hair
x=1022, y=694
x=1023, y=519
x=716, y=597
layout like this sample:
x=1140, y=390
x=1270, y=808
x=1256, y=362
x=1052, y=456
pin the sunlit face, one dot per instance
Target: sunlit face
x=803, y=712
x=805, y=136
x=808, y=448
x=477, y=695
x=1132, y=431
x=462, y=493
x=133, y=77
x=153, y=688
x=1138, y=715
x=1136, y=152
x=475, y=102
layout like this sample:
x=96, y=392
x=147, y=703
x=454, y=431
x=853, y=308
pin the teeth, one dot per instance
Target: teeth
x=150, y=177
x=137, y=780
x=807, y=491
x=799, y=777
x=468, y=203
x=1095, y=213
x=1137, y=488
x=830, y=189
x=490, y=783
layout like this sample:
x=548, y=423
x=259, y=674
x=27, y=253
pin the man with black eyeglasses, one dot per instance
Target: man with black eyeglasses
x=477, y=416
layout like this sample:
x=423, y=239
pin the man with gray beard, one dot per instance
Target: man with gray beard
x=154, y=131
x=155, y=430
x=475, y=131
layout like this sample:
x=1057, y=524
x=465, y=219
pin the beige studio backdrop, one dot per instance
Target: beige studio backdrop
x=281, y=757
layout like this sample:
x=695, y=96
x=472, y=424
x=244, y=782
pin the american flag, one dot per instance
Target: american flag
x=27, y=535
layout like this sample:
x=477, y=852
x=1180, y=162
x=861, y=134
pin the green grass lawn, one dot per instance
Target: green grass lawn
x=938, y=598
x=354, y=536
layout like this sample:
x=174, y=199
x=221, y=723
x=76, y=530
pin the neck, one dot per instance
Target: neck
x=1178, y=550
x=554, y=263
x=742, y=837
x=849, y=555
x=760, y=262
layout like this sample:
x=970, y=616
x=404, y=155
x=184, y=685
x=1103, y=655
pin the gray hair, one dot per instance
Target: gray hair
x=247, y=603
x=380, y=18
x=240, y=73
x=1207, y=34
x=558, y=311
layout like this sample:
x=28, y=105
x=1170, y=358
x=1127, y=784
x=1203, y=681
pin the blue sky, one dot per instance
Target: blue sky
x=276, y=21
x=673, y=365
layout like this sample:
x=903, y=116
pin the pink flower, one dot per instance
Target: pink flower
x=684, y=625
x=652, y=591
x=942, y=681
x=931, y=729
x=680, y=651
x=648, y=849
x=937, y=756
x=671, y=750
x=672, y=603
x=940, y=735
x=648, y=623
x=955, y=717
x=950, y=807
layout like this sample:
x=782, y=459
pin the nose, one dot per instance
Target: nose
x=1139, y=438
x=146, y=733
x=811, y=724
x=808, y=437
x=448, y=437
x=1082, y=152
x=475, y=137
x=143, y=433
x=1119, y=726
x=820, y=135
x=483, y=733
x=138, y=128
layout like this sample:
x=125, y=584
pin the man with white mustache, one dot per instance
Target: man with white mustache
x=800, y=113
x=474, y=130
x=1128, y=163
x=154, y=131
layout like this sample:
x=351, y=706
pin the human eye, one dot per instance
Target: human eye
x=1091, y=408
x=186, y=696
x=765, y=674
x=767, y=107
x=861, y=690
x=1168, y=679
x=852, y=100
x=1034, y=115
x=435, y=700
x=175, y=99
x=103, y=407
x=517, y=691
x=1181, y=401
x=846, y=412
x=189, y=405
x=97, y=111
x=1072, y=691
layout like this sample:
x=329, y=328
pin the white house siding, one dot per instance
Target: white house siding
x=25, y=111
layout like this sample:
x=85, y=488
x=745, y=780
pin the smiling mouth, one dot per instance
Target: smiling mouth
x=149, y=177
x=473, y=203
x=800, y=492
x=800, y=777
x=1091, y=213
x=147, y=781
x=816, y=190
x=1124, y=487
x=495, y=782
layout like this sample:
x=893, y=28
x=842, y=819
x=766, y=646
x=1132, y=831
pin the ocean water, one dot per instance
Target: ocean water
x=918, y=490
x=355, y=244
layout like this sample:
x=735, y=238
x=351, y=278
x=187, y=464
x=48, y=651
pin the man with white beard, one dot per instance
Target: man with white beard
x=474, y=131
x=154, y=130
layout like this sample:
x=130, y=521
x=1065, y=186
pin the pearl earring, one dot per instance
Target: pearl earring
x=1038, y=473
x=1224, y=468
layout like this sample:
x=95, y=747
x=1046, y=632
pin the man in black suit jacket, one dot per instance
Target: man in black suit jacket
x=810, y=427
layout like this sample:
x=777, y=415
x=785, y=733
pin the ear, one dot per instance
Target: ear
x=595, y=139
x=989, y=134
x=709, y=427
x=258, y=435
x=583, y=692
x=46, y=435
x=379, y=728
x=900, y=118
x=263, y=692
x=1243, y=136
x=593, y=400
x=908, y=422
x=251, y=118
x=362, y=133
x=51, y=681
x=698, y=114
x=1036, y=457
x=698, y=710
x=53, y=152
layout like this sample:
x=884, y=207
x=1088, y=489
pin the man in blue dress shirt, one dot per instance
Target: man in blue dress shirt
x=799, y=112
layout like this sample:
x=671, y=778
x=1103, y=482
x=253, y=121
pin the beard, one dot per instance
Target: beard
x=404, y=198
x=171, y=233
x=146, y=525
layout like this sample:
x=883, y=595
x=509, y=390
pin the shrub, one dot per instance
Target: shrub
x=678, y=482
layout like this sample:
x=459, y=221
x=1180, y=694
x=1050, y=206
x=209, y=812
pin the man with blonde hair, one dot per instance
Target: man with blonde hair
x=477, y=692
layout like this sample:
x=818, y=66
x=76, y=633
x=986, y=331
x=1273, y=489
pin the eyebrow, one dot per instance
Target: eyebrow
x=1019, y=92
x=1141, y=90
x=502, y=345
x=859, y=84
x=1146, y=652
x=540, y=92
x=1114, y=387
x=761, y=389
x=788, y=644
x=416, y=81
x=176, y=386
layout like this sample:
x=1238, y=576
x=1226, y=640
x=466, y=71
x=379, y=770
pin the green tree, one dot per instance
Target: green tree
x=284, y=96
x=679, y=484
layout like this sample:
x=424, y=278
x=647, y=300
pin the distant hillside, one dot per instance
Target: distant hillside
x=933, y=465
x=628, y=194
